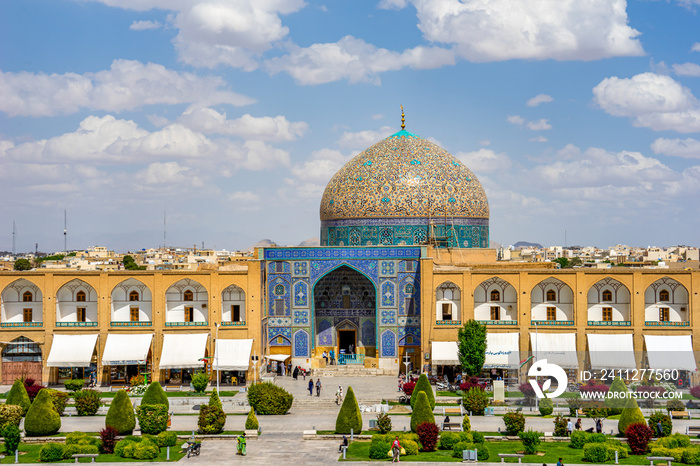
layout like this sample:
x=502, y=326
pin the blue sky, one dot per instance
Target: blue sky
x=233, y=115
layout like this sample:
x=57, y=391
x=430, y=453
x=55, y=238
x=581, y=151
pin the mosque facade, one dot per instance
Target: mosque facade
x=403, y=263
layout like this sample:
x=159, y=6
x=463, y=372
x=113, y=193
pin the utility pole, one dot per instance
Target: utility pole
x=65, y=231
x=14, y=234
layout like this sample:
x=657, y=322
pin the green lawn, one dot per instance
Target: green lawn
x=29, y=453
x=359, y=451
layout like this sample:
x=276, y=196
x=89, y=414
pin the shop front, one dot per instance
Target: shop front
x=126, y=356
x=502, y=357
x=183, y=355
x=444, y=358
x=556, y=348
x=277, y=364
x=73, y=356
x=671, y=357
x=232, y=361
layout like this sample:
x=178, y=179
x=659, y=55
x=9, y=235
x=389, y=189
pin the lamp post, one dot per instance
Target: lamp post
x=255, y=367
x=216, y=356
x=537, y=344
x=407, y=363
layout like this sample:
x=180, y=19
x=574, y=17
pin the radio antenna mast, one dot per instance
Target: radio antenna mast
x=65, y=231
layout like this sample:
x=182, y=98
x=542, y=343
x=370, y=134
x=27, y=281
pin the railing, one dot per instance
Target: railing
x=498, y=322
x=186, y=324
x=552, y=322
x=76, y=324
x=667, y=323
x=131, y=323
x=351, y=359
x=610, y=323
x=231, y=324
x=21, y=324
x=448, y=322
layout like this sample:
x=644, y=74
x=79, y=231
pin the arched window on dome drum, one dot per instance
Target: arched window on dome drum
x=551, y=295
x=664, y=295
x=188, y=295
x=27, y=297
x=134, y=295
x=607, y=296
x=80, y=296
x=495, y=295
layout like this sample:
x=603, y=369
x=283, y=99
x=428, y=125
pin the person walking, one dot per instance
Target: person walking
x=569, y=427
x=311, y=387
x=295, y=374
x=318, y=387
x=339, y=395
x=396, y=451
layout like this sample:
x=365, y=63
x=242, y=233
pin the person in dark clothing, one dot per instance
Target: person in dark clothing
x=344, y=444
x=295, y=374
x=598, y=426
x=659, y=429
x=311, y=387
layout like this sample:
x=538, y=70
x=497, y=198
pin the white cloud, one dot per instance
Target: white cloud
x=515, y=119
x=539, y=99
x=491, y=30
x=484, y=142
x=353, y=59
x=364, y=139
x=539, y=125
x=144, y=25
x=695, y=47
x=651, y=100
x=127, y=85
x=484, y=160
x=392, y=4
x=687, y=69
x=539, y=139
x=209, y=121
x=687, y=148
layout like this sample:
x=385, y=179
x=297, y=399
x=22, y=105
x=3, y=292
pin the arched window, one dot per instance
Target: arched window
x=664, y=295
x=495, y=295
x=188, y=295
x=134, y=296
x=27, y=297
x=607, y=295
x=551, y=295
x=80, y=296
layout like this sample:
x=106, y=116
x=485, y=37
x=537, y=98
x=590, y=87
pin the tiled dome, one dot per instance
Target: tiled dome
x=404, y=176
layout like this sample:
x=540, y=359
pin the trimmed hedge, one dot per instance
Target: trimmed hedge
x=167, y=439
x=51, y=452
x=422, y=412
x=378, y=450
x=514, y=421
x=42, y=419
x=137, y=448
x=349, y=416
x=482, y=451
x=155, y=395
x=211, y=419
x=12, y=437
x=121, y=414
x=631, y=414
x=10, y=415
x=448, y=440
x=153, y=419
x=530, y=439
x=475, y=401
x=251, y=422
x=74, y=385
x=466, y=424
x=546, y=406
x=59, y=399
x=87, y=402
x=18, y=396
x=423, y=385
x=214, y=399
x=268, y=398
x=200, y=381
x=428, y=435
x=666, y=423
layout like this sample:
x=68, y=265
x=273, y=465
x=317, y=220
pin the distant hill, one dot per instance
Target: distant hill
x=494, y=245
x=263, y=243
x=311, y=242
x=525, y=244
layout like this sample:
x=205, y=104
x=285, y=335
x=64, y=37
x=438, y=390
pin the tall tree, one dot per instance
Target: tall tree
x=471, y=343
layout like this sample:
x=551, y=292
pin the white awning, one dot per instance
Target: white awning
x=557, y=348
x=502, y=351
x=183, y=350
x=444, y=353
x=232, y=355
x=611, y=351
x=279, y=357
x=71, y=350
x=126, y=349
x=670, y=352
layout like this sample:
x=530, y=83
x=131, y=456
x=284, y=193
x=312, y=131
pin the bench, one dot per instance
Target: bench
x=116, y=388
x=680, y=414
x=452, y=411
x=669, y=459
x=503, y=456
x=451, y=425
x=692, y=430
x=92, y=456
x=173, y=388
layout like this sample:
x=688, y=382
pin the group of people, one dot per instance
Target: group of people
x=298, y=370
x=317, y=385
x=329, y=357
x=570, y=426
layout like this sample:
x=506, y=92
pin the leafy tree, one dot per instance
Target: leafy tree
x=251, y=422
x=349, y=416
x=423, y=385
x=130, y=263
x=563, y=262
x=23, y=264
x=472, y=347
x=575, y=261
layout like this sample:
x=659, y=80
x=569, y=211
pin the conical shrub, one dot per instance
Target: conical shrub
x=18, y=396
x=349, y=416
x=423, y=385
x=121, y=414
x=422, y=412
x=631, y=414
x=616, y=403
x=155, y=395
x=214, y=400
x=251, y=421
x=42, y=419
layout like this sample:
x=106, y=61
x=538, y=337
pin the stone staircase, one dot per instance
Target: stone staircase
x=325, y=403
x=349, y=370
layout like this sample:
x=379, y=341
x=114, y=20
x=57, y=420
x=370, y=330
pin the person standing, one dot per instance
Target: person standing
x=332, y=355
x=318, y=387
x=598, y=426
x=560, y=462
x=396, y=451
x=339, y=395
x=295, y=374
x=569, y=427
x=350, y=348
x=659, y=429
x=578, y=424
x=311, y=387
